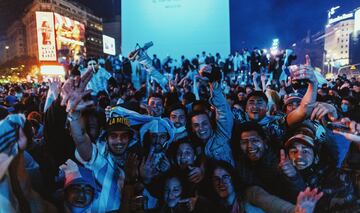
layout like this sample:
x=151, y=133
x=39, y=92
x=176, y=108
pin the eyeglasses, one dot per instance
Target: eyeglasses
x=225, y=179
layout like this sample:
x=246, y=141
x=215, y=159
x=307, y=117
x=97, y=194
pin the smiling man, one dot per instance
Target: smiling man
x=257, y=162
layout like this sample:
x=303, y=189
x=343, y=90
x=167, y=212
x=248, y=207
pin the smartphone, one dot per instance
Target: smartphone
x=297, y=83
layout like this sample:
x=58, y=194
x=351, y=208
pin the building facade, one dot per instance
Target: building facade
x=66, y=8
x=337, y=42
x=355, y=40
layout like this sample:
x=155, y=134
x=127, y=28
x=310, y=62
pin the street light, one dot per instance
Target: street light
x=7, y=47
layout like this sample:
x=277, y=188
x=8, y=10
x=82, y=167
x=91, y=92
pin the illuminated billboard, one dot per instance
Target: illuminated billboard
x=70, y=36
x=109, y=45
x=46, y=36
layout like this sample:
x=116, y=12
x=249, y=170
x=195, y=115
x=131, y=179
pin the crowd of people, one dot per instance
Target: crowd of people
x=249, y=133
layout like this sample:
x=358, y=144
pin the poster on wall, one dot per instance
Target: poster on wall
x=46, y=36
x=109, y=45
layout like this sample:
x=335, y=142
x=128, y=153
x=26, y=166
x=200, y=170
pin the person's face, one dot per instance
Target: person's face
x=241, y=96
x=302, y=156
x=345, y=102
x=292, y=106
x=79, y=195
x=172, y=192
x=356, y=89
x=177, y=117
x=118, y=141
x=156, y=104
x=201, y=126
x=185, y=155
x=92, y=64
x=256, y=108
x=158, y=140
x=252, y=145
x=222, y=183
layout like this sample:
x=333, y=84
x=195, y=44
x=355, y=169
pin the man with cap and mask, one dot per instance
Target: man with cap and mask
x=307, y=163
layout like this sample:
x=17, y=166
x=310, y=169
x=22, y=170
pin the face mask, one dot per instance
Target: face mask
x=344, y=107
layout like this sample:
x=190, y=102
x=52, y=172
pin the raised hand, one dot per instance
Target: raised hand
x=148, y=167
x=74, y=90
x=196, y=174
x=164, y=164
x=321, y=109
x=304, y=73
x=286, y=166
x=55, y=86
x=70, y=168
x=306, y=200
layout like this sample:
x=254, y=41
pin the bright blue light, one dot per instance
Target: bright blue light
x=177, y=27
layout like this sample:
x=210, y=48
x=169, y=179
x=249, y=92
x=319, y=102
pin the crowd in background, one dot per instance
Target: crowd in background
x=247, y=133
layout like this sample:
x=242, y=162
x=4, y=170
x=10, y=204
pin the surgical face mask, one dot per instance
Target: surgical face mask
x=344, y=108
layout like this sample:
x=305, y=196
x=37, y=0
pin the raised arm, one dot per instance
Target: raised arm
x=308, y=102
x=224, y=117
x=73, y=91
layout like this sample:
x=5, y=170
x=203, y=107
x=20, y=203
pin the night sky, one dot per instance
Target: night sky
x=253, y=22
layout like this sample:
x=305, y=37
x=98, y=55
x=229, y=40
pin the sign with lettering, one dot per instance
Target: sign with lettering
x=46, y=36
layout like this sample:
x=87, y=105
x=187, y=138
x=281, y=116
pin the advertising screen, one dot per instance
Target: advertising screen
x=46, y=36
x=109, y=45
x=70, y=35
x=176, y=27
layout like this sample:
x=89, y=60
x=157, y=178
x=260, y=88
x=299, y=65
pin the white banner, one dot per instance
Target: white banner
x=46, y=36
